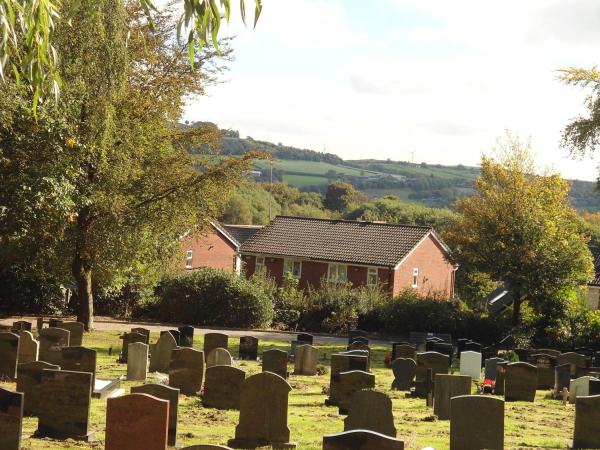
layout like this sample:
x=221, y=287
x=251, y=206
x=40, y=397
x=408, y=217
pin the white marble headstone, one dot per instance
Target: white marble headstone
x=470, y=364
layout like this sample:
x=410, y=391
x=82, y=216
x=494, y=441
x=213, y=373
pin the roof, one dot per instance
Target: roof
x=241, y=233
x=372, y=243
x=596, y=255
x=500, y=299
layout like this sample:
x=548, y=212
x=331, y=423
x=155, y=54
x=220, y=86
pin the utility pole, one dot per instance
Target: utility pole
x=271, y=160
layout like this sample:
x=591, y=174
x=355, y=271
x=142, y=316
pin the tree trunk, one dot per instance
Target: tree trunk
x=516, y=309
x=82, y=271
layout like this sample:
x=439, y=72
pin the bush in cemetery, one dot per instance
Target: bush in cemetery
x=214, y=297
x=511, y=356
x=289, y=302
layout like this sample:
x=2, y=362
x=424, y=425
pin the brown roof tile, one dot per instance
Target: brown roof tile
x=369, y=243
x=241, y=233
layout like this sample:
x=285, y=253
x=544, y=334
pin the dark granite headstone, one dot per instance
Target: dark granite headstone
x=520, y=383
x=9, y=355
x=564, y=374
x=444, y=349
x=472, y=347
x=215, y=340
x=11, y=419
x=79, y=359
x=587, y=414
x=371, y=410
x=186, y=336
x=21, y=325
x=571, y=358
x=186, y=370
x=545, y=365
x=130, y=338
x=275, y=361
x=137, y=421
x=476, y=422
x=144, y=331
x=403, y=350
x=176, y=334
x=429, y=360
x=361, y=440
x=165, y=393
x=358, y=345
x=52, y=341
x=447, y=387
x=305, y=337
x=404, y=370
x=490, y=368
x=356, y=334
x=76, y=333
x=342, y=363
x=248, y=348
x=488, y=353
x=64, y=409
x=263, y=413
x=548, y=351
x=293, y=345
x=222, y=387
x=350, y=384
x=461, y=345
x=358, y=353
x=29, y=382
x=522, y=353
x=53, y=323
x=361, y=339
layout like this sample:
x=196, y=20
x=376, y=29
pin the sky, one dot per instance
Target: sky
x=385, y=78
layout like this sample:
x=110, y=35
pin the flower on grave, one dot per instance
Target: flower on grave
x=387, y=361
x=485, y=383
x=325, y=390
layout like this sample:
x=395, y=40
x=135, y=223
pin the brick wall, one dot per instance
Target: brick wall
x=214, y=250
x=435, y=273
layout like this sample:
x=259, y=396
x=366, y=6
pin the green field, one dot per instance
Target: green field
x=304, y=180
x=308, y=167
x=543, y=424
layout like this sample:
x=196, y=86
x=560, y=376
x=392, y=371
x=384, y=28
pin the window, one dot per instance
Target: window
x=260, y=265
x=188, y=259
x=415, y=278
x=293, y=267
x=372, y=276
x=338, y=273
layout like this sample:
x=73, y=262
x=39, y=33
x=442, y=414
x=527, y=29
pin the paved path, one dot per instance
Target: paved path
x=109, y=324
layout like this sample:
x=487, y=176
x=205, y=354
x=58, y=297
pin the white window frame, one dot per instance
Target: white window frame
x=259, y=267
x=289, y=266
x=373, y=271
x=335, y=272
x=189, y=255
x=415, y=277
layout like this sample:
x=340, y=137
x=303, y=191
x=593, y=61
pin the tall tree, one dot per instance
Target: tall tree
x=104, y=176
x=520, y=228
x=341, y=195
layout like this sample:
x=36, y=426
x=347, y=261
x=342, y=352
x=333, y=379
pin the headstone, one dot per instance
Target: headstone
x=429, y=360
x=11, y=419
x=477, y=422
x=9, y=355
x=293, y=345
x=305, y=338
x=164, y=393
x=137, y=362
x=215, y=340
x=461, y=345
x=500, y=377
x=144, y=331
x=371, y=410
x=360, y=339
x=444, y=349
x=356, y=334
x=248, y=348
x=352, y=382
x=564, y=374
x=130, y=338
x=447, y=387
x=545, y=365
x=79, y=359
x=29, y=348
x=306, y=361
x=488, y=353
x=548, y=351
x=176, y=335
x=587, y=431
x=39, y=324
x=160, y=359
x=21, y=325
x=64, y=409
x=342, y=363
x=218, y=357
x=52, y=341
x=76, y=333
x=404, y=370
x=361, y=440
x=520, y=382
x=29, y=382
x=358, y=345
x=53, y=323
x=472, y=347
x=137, y=421
x=360, y=353
x=522, y=353
x=583, y=387
x=222, y=387
x=263, y=413
x=186, y=336
x=490, y=367
x=275, y=361
x=571, y=358
x=470, y=364
x=186, y=370
x=206, y=447
x=403, y=351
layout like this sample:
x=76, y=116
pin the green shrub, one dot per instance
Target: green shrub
x=511, y=356
x=289, y=302
x=216, y=298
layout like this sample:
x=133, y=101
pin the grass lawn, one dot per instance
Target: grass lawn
x=308, y=167
x=543, y=424
x=304, y=180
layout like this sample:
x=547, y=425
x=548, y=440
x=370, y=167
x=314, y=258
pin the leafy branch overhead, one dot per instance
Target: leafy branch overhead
x=27, y=28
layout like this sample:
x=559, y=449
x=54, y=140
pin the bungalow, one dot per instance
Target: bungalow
x=220, y=249
x=363, y=253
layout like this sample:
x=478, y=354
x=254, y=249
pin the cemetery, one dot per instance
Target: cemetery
x=327, y=396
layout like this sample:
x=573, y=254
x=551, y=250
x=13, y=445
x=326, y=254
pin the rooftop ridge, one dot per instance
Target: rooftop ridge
x=353, y=221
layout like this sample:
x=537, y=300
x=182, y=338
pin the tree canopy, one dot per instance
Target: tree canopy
x=520, y=228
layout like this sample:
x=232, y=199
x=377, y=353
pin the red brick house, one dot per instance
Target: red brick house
x=363, y=253
x=219, y=249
